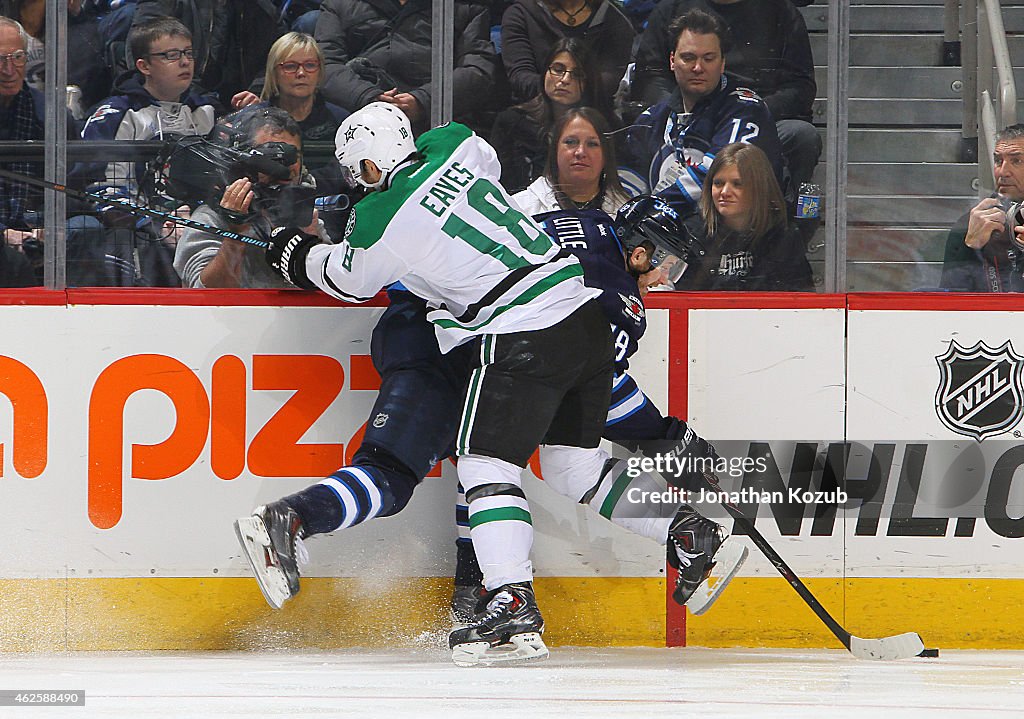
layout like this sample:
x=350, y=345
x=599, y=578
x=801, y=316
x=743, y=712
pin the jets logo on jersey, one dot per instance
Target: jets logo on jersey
x=632, y=307
x=744, y=94
x=101, y=112
x=980, y=389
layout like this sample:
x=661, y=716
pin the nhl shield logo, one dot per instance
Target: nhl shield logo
x=979, y=389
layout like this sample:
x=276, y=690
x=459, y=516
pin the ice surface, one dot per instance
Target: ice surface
x=575, y=683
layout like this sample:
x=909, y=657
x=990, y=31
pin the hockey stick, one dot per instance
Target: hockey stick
x=132, y=208
x=899, y=646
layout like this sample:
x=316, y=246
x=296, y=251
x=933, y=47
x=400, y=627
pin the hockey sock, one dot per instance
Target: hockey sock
x=617, y=496
x=591, y=477
x=467, y=569
x=349, y=496
x=499, y=519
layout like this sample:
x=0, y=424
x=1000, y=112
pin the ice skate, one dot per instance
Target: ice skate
x=700, y=549
x=272, y=540
x=467, y=604
x=508, y=631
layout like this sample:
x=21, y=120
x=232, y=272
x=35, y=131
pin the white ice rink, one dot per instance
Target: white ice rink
x=572, y=684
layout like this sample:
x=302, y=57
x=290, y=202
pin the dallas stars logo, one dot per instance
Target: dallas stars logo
x=350, y=134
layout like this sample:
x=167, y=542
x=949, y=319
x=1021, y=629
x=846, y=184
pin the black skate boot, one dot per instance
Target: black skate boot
x=468, y=601
x=696, y=546
x=509, y=630
x=272, y=540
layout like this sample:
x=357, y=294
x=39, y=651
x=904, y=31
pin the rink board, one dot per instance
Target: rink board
x=142, y=428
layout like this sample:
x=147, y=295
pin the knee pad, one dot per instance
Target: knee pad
x=572, y=471
x=478, y=471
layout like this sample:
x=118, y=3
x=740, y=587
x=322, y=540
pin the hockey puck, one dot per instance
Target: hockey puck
x=929, y=653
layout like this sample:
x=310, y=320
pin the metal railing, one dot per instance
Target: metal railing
x=988, y=107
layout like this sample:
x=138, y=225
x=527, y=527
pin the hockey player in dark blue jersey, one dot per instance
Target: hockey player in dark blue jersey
x=644, y=238
x=672, y=144
x=416, y=415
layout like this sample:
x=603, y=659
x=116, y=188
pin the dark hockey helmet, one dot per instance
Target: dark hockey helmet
x=647, y=218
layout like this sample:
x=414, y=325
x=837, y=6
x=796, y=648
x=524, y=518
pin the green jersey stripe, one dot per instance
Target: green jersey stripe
x=500, y=514
x=469, y=411
x=608, y=506
x=531, y=293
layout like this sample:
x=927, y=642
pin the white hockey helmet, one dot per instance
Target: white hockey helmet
x=379, y=132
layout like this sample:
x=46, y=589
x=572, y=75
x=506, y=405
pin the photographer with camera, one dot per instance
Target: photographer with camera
x=982, y=254
x=248, y=206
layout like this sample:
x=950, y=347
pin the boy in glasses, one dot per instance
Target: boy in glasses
x=155, y=102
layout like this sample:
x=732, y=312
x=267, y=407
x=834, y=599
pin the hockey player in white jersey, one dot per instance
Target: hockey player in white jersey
x=441, y=224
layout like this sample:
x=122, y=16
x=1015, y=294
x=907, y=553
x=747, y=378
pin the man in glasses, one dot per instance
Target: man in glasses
x=246, y=206
x=156, y=102
x=22, y=112
x=673, y=143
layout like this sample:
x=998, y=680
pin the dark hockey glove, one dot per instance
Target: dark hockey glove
x=287, y=254
x=694, y=458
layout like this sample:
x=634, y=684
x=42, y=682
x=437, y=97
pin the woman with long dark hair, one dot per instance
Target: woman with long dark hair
x=580, y=171
x=530, y=27
x=520, y=134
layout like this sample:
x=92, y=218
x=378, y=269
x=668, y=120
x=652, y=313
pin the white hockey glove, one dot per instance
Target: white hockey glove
x=287, y=254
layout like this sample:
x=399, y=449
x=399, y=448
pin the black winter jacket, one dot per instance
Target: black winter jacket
x=777, y=262
x=231, y=38
x=396, y=39
x=528, y=30
x=994, y=268
x=771, y=53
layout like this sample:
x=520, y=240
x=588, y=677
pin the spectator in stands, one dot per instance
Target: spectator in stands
x=86, y=68
x=206, y=260
x=156, y=102
x=770, y=53
x=231, y=38
x=22, y=114
x=380, y=51
x=299, y=15
x=980, y=256
x=521, y=133
x=743, y=227
x=580, y=169
x=672, y=144
x=530, y=27
x=294, y=75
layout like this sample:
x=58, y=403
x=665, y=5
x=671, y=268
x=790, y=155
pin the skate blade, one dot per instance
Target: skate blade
x=252, y=535
x=519, y=649
x=728, y=560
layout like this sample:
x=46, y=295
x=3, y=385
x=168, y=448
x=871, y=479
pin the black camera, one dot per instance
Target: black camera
x=192, y=169
x=1014, y=218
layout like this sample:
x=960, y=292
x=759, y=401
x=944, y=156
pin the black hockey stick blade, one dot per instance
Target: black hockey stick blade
x=132, y=208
